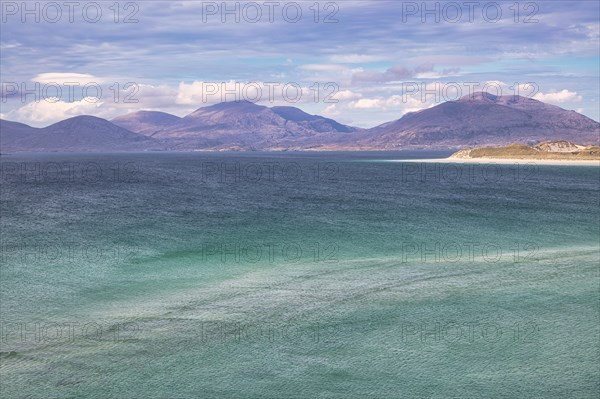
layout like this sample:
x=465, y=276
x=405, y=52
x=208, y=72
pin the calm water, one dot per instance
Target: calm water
x=297, y=275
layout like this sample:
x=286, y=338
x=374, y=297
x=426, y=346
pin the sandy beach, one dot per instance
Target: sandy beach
x=505, y=161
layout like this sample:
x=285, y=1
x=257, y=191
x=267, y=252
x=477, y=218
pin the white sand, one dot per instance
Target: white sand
x=505, y=161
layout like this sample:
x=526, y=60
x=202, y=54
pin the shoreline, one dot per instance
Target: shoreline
x=507, y=161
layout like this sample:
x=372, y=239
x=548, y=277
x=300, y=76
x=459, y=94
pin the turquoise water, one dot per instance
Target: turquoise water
x=297, y=275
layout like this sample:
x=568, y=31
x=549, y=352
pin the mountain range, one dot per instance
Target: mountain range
x=78, y=134
x=475, y=120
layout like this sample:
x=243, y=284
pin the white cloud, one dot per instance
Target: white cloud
x=205, y=93
x=346, y=95
x=369, y=112
x=366, y=103
x=331, y=111
x=161, y=96
x=51, y=110
x=563, y=96
x=412, y=103
x=46, y=109
x=8, y=46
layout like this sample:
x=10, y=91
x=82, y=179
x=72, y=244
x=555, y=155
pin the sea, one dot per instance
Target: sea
x=297, y=275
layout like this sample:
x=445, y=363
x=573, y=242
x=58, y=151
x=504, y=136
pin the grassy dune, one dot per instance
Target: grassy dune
x=540, y=151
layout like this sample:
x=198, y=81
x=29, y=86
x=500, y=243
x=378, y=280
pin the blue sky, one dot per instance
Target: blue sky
x=369, y=61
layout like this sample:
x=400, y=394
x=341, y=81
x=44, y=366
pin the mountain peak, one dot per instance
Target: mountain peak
x=243, y=105
x=292, y=113
x=144, y=114
x=147, y=123
x=508, y=100
x=479, y=96
x=486, y=119
x=80, y=133
x=82, y=121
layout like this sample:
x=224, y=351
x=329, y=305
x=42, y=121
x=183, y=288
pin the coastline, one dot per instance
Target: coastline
x=507, y=161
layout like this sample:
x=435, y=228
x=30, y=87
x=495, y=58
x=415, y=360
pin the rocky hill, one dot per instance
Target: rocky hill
x=77, y=134
x=484, y=119
x=473, y=121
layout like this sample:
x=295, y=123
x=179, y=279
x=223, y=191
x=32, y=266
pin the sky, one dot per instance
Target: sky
x=362, y=63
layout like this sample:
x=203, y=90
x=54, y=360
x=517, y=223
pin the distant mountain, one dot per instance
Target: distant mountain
x=147, y=123
x=80, y=133
x=484, y=119
x=245, y=125
x=477, y=120
x=13, y=132
x=239, y=125
x=316, y=122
